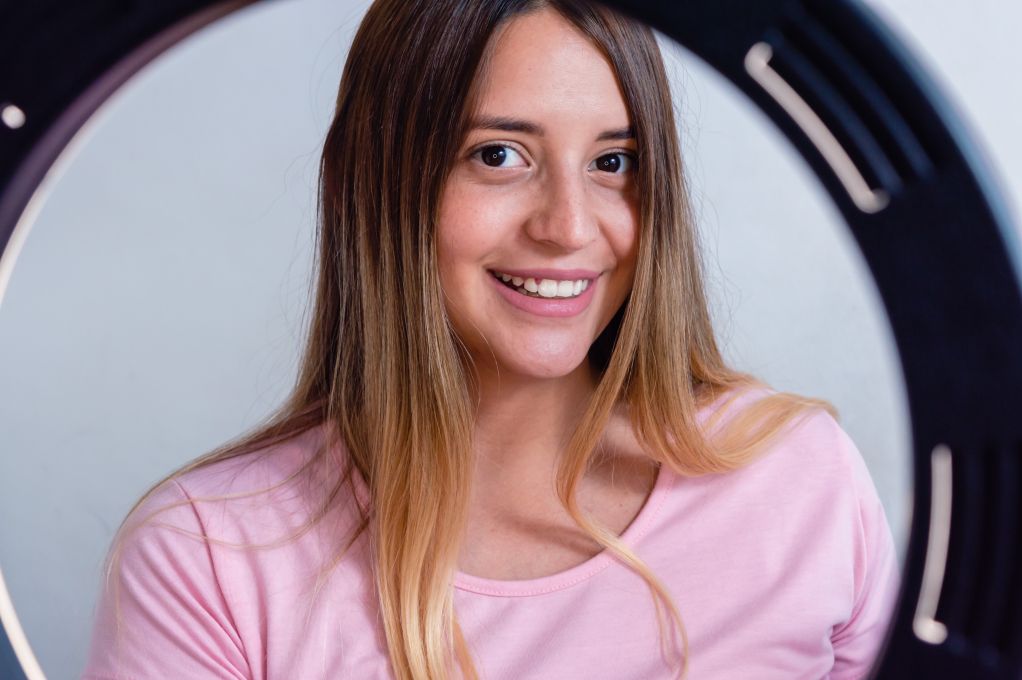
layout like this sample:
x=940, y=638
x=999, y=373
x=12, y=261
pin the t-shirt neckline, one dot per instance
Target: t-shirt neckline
x=565, y=579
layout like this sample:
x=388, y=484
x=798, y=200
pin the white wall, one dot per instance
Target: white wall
x=157, y=307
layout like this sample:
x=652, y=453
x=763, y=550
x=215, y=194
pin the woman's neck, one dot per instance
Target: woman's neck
x=517, y=526
x=523, y=424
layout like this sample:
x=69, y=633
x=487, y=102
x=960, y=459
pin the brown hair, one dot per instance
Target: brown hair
x=384, y=369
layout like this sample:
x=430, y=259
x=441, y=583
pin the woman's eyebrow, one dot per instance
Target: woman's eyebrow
x=518, y=125
x=620, y=133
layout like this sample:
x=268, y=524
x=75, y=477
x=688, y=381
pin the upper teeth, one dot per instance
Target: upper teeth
x=547, y=288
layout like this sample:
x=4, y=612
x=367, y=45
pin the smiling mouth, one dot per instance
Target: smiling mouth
x=543, y=288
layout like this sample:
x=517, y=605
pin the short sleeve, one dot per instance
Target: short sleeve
x=857, y=642
x=162, y=613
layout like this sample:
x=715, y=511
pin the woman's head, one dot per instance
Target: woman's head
x=413, y=226
x=538, y=224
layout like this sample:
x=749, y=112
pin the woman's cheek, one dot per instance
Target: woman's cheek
x=487, y=216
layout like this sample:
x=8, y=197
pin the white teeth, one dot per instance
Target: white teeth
x=548, y=288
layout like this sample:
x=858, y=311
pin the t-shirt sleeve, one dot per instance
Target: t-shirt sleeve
x=857, y=641
x=162, y=613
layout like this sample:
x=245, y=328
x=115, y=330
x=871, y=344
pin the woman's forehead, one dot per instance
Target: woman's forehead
x=540, y=66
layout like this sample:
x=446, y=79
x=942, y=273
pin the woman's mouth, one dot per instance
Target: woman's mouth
x=543, y=288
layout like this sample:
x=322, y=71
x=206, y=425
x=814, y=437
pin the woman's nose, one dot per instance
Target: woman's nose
x=564, y=216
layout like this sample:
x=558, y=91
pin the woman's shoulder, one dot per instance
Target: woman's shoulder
x=204, y=557
x=811, y=440
x=810, y=467
x=815, y=448
x=809, y=484
x=258, y=467
x=252, y=497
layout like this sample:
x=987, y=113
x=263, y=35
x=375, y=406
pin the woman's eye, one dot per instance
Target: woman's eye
x=617, y=163
x=500, y=156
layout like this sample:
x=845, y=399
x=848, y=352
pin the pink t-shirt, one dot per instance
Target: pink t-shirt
x=783, y=569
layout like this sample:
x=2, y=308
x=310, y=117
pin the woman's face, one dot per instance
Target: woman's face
x=538, y=221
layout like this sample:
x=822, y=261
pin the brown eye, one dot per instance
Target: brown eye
x=499, y=156
x=493, y=155
x=614, y=163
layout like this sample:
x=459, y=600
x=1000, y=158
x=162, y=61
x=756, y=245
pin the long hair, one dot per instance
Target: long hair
x=384, y=369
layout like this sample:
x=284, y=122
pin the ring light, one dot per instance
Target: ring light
x=894, y=159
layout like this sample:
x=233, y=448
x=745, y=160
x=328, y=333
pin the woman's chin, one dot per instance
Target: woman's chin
x=542, y=365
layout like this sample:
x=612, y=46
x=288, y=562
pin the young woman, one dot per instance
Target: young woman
x=514, y=450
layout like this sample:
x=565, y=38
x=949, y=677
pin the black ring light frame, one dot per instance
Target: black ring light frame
x=892, y=156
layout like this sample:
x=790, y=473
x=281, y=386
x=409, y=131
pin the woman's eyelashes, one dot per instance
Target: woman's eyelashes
x=504, y=156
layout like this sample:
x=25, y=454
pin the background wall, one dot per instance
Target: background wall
x=159, y=302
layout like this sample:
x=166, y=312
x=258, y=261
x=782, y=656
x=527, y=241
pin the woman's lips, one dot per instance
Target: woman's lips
x=547, y=306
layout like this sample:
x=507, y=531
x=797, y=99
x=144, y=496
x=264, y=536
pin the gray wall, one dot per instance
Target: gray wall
x=158, y=303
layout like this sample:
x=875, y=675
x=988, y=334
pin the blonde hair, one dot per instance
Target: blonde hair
x=383, y=367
